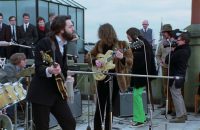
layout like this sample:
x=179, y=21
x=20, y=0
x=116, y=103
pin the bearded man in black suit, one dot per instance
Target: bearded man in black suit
x=43, y=92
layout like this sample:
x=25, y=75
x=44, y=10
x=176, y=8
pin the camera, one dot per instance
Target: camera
x=175, y=34
x=168, y=42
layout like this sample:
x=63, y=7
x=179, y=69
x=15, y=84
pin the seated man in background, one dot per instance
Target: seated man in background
x=16, y=64
x=12, y=69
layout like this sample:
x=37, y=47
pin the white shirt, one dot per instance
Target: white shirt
x=1, y=25
x=13, y=27
x=60, y=44
x=26, y=25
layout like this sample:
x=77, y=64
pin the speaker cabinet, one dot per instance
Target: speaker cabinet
x=124, y=104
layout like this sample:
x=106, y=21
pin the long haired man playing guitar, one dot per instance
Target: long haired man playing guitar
x=46, y=92
x=109, y=53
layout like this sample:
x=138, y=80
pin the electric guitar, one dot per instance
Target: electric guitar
x=107, y=59
x=59, y=77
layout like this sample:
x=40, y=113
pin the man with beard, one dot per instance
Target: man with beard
x=43, y=92
x=123, y=61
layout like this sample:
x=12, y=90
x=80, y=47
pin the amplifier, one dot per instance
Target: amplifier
x=75, y=107
x=124, y=104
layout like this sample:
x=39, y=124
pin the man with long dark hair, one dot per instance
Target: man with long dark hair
x=43, y=92
x=123, y=61
x=143, y=64
x=161, y=53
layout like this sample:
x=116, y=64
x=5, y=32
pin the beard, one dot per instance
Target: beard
x=67, y=36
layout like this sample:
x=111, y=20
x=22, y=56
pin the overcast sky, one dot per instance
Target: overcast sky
x=123, y=14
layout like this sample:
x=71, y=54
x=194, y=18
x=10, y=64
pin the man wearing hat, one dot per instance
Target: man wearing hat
x=178, y=66
x=161, y=54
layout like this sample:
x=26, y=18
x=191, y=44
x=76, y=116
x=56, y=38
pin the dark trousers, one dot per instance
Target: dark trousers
x=60, y=110
x=103, y=95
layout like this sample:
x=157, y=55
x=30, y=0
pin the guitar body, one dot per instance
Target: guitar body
x=59, y=78
x=60, y=84
x=108, y=64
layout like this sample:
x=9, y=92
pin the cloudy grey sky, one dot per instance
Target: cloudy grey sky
x=123, y=14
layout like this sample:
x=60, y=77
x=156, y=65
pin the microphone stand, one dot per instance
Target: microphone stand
x=167, y=101
x=120, y=74
x=88, y=127
x=148, y=83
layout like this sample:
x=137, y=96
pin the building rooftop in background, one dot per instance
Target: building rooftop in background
x=67, y=2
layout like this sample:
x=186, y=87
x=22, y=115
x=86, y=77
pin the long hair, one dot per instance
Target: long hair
x=133, y=33
x=107, y=34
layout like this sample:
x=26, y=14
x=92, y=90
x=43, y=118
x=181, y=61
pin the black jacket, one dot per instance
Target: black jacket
x=139, y=64
x=178, y=64
x=3, y=38
x=11, y=49
x=3, y=32
x=41, y=34
x=43, y=90
x=28, y=37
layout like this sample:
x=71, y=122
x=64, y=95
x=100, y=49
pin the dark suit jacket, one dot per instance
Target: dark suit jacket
x=11, y=49
x=3, y=32
x=43, y=90
x=178, y=64
x=3, y=38
x=9, y=33
x=30, y=36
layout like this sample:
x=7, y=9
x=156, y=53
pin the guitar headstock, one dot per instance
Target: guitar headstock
x=135, y=45
x=46, y=57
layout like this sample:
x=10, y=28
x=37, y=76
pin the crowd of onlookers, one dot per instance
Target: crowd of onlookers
x=26, y=34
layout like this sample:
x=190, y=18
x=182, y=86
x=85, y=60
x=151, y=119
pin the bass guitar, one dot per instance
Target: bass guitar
x=59, y=77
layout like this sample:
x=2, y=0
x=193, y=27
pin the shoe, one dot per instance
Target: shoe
x=185, y=116
x=161, y=106
x=138, y=124
x=163, y=112
x=178, y=120
x=173, y=113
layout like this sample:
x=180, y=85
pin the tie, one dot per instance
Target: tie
x=13, y=32
x=26, y=27
x=0, y=27
x=145, y=30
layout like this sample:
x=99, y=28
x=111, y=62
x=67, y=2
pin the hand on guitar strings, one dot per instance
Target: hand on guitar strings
x=118, y=54
x=99, y=63
x=54, y=69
